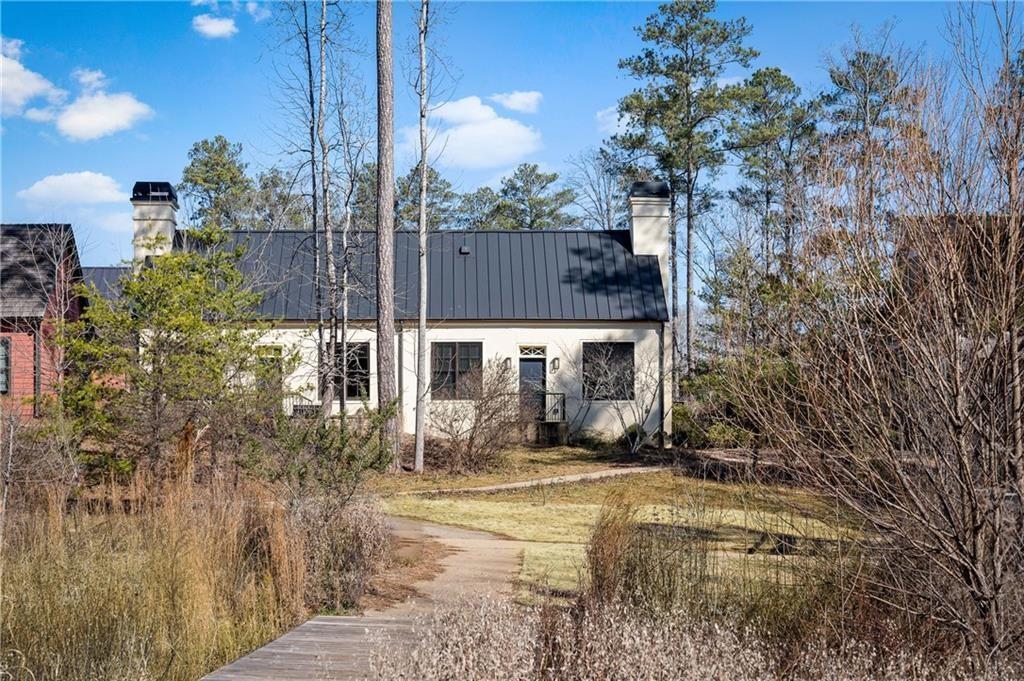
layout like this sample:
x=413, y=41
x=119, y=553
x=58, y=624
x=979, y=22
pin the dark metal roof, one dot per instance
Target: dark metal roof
x=30, y=257
x=514, y=276
x=107, y=280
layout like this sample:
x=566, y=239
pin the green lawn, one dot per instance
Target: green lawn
x=557, y=519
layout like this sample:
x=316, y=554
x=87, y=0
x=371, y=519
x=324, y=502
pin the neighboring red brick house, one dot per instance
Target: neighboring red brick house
x=39, y=269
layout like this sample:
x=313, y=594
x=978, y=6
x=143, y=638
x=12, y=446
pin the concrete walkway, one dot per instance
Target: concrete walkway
x=332, y=648
x=479, y=565
x=540, y=482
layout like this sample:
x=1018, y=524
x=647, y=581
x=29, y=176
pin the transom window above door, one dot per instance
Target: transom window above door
x=533, y=350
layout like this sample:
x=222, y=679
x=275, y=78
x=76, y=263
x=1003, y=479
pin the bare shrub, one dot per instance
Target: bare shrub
x=477, y=641
x=344, y=548
x=475, y=429
x=652, y=568
x=498, y=640
x=628, y=387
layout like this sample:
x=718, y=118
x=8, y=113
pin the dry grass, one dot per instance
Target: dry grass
x=559, y=519
x=498, y=640
x=520, y=463
x=171, y=591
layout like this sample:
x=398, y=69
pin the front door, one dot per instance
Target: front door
x=531, y=388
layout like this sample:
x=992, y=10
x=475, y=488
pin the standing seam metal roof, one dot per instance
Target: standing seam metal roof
x=514, y=276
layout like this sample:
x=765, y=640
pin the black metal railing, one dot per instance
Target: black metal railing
x=300, y=407
x=554, y=408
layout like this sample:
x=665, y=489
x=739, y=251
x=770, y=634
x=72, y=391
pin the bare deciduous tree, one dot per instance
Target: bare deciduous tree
x=422, y=90
x=331, y=271
x=599, y=188
x=897, y=389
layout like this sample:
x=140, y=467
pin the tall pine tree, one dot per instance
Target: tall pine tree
x=675, y=117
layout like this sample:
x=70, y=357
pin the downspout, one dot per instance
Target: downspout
x=661, y=386
x=401, y=371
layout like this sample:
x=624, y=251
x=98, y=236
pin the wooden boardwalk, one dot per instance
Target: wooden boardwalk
x=340, y=648
x=322, y=648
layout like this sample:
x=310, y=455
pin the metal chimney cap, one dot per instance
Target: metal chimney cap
x=160, y=192
x=650, y=190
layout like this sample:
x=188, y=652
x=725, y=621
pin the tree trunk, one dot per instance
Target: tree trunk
x=314, y=211
x=343, y=331
x=331, y=368
x=421, y=317
x=386, y=391
x=689, y=269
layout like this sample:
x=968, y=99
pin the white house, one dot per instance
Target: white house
x=545, y=303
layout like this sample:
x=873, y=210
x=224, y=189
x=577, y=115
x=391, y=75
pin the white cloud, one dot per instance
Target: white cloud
x=20, y=85
x=43, y=114
x=608, y=121
x=210, y=26
x=91, y=80
x=11, y=47
x=258, y=11
x=726, y=81
x=523, y=102
x=98, y=114
x=473, y=135
x=84, y=187
x=93, y=114
x=466, y=110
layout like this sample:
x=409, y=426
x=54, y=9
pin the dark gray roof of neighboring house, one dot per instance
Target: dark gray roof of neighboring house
x=482, y=275
x=29, y=259
x=107, y=280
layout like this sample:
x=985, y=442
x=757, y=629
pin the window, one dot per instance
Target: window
x=357, y=381
x=269, y=369
x=357, y=384
x=5, y=365
x=456, y=370
x=608, y=372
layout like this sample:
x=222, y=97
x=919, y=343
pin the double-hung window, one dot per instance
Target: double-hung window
x=608, y=371
x=357, y=384
x=456, y=370
x=356, y=358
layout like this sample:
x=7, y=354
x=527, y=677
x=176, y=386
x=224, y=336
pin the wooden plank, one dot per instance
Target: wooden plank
x=326, y=647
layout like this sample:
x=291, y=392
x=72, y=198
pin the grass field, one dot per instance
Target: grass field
x=521, y=463
x=557, y=519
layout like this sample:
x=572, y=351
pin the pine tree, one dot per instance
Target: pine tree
x=674, y=118
x=529, y=199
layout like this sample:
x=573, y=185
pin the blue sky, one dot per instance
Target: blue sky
x=117, y=92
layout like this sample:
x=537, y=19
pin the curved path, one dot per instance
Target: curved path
x=327, y=647
x=540, y=482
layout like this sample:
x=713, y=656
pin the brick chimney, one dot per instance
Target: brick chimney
x=154, y=215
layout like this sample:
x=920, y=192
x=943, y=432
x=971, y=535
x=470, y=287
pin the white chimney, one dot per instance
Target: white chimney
x=154, y=215
x=649, y=216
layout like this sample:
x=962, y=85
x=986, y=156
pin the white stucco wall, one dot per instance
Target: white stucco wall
x=563, y=342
